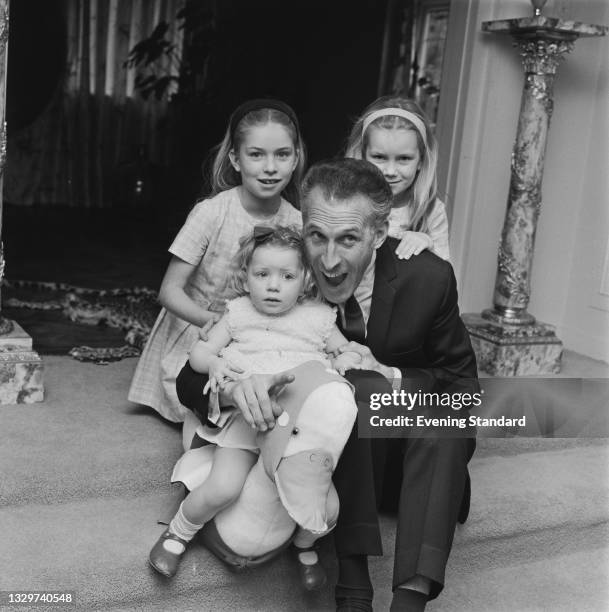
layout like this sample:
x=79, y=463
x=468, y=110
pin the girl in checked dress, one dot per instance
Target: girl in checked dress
x=260, y=159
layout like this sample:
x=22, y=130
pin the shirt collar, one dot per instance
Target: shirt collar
x=364, y=290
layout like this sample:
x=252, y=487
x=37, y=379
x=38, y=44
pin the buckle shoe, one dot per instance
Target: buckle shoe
x=164, y=561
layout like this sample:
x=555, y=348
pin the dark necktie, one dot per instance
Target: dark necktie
x=354, y=327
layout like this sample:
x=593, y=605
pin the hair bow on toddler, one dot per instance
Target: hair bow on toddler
x=262, y=233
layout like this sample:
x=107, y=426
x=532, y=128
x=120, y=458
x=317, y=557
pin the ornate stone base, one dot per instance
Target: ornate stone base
x=514, y=350
x=15, y=336
x=21, y=369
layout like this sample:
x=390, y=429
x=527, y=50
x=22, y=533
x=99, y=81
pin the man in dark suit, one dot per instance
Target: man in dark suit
x=403, y=320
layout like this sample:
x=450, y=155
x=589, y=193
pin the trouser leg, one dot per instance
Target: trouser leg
x=434, y=475
x=357, y=478
x=357, y=529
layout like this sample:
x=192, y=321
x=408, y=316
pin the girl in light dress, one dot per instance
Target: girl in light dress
x=395, y=135
x=275, y=325
x=260, y=159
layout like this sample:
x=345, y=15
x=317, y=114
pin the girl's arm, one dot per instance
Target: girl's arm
x=438, y=230
x=412, y=243
x=173, y=297
x=204, y=357
x=204, y=354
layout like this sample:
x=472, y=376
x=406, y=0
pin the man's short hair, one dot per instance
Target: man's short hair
x=344, y=179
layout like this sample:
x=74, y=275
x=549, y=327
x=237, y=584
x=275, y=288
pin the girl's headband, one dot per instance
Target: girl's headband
x=399, y=112
x=259, y=104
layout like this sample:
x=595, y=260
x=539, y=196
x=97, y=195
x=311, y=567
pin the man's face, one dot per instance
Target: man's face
x=339, y=240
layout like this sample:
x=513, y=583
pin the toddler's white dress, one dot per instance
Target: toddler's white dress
x=265, y=344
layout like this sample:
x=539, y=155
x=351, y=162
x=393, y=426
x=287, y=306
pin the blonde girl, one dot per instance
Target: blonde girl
x=260, y=160
x=395, y=135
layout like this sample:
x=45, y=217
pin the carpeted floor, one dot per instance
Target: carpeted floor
x=85, y=474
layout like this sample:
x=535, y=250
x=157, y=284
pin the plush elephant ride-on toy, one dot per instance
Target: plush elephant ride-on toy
x=290, y=487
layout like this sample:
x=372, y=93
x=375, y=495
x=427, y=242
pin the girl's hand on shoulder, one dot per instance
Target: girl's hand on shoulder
x=412, y=244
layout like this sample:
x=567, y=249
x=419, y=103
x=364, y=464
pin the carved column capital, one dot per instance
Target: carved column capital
x=542, y=56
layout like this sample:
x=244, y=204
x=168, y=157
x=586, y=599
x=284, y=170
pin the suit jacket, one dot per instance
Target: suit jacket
x=414, y=322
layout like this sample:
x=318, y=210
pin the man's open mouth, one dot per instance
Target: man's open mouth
x=335, y=280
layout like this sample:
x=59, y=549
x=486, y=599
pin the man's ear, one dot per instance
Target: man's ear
x=380, y=234
x=233, y=160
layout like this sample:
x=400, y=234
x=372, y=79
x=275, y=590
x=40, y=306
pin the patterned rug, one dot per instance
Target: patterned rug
x=89, y=324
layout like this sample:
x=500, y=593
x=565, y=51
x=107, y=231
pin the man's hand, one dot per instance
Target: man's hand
x=367, y=359
x=256, y=397
x=347, y=361
x=412, y=244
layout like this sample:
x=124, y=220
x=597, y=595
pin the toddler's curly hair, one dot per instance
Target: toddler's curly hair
x=286, y=237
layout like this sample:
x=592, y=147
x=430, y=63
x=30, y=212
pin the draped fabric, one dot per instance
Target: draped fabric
x=96, y=132
x=413, y=50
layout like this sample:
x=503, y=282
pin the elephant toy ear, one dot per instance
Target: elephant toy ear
x=303, y=482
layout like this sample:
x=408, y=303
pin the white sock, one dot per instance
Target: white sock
x=305, y=539
x=182, y=527
x=308, y=557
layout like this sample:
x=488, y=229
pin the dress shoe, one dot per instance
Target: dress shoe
x=407, y=600
x=353, y=604
x=165, y=561
x=312, y=577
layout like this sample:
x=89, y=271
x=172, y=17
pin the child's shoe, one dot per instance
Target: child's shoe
x=166, y=554
x=312, y=575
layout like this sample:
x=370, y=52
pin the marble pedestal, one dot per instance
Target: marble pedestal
x=513, y=350
x=21, y=369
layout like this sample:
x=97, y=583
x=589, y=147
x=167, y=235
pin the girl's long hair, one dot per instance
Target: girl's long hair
x=424, y=187
x=224, y=176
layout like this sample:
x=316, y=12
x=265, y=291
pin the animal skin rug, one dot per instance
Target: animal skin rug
x=133, y=310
